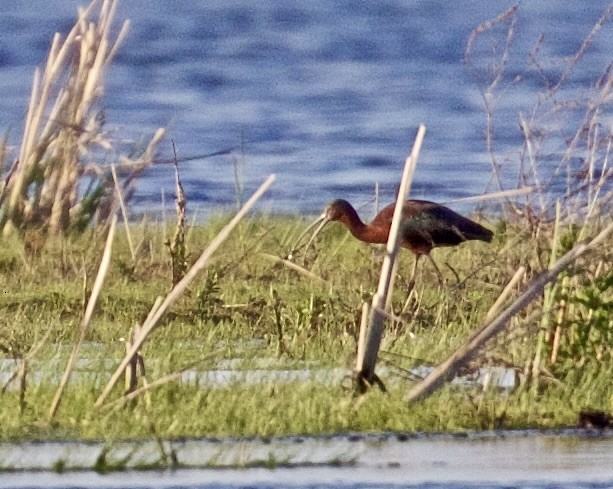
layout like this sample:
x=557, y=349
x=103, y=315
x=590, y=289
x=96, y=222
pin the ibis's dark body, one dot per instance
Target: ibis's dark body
x=425, y=225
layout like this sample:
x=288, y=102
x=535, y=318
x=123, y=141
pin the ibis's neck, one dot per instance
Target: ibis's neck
x=361, y=231
x=349, y=217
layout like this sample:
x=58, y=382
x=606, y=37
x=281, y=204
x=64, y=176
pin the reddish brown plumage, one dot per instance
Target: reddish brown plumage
x=425, y=225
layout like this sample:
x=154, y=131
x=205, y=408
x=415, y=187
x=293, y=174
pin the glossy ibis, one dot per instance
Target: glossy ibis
x=425, y=225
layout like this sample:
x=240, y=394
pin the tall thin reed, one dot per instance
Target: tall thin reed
x=367, y=376
x=458, y=359
x=178, y=289
x=84, y=327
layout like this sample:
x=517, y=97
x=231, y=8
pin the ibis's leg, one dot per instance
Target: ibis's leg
x=438, y=272
x=411, y=284
x=412, y=279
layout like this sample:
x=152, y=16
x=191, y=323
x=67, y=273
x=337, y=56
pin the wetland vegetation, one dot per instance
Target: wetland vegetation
x=245, y=308
x=301, y=323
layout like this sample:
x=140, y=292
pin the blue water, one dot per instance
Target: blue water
x=326, y=94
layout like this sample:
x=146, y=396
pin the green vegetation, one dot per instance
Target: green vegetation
x=301, y=323
x=245, y=306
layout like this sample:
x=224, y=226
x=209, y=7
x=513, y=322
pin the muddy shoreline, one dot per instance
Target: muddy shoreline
x=355, y=450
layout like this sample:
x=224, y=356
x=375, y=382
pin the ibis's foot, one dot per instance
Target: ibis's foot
x=411, y=286
x=362, y=384
x=379, y=383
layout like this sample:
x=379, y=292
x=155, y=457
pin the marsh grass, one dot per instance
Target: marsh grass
x=243, y=303
x=245, y=306
x=180, y=411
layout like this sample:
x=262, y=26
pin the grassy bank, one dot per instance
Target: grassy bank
x=244, y=306
x=59, y=196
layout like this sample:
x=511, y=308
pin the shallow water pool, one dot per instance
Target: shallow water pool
x=526, y=459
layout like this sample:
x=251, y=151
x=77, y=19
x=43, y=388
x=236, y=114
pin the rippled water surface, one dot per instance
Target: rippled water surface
x=565, y=460
x=327, y=94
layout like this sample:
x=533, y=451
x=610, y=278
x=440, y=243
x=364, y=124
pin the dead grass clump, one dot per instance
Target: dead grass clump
x=563, y=132
x=563, y=151
x=63, y=134
x=176, y=246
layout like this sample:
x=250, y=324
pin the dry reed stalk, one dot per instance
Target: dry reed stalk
x=548, y=300
x=84, y=327
x=178, y=289
x=124, y=213
x=137, y=362
x=292, y=266
x=510, y=17
x=532, y=157
x=594, y=190
x=4, y=168
x=239, y=169
x=367, y=376
x=156, y=305
x=504, y=295
x=177, y=245
x=117, y=403
x=547, y=125
x=448, y=368
x=56, y=143
x=518, y=192
x=390, y=287
x=359, y=359
x=557, y=334
x=494, y=310
x=608, y=12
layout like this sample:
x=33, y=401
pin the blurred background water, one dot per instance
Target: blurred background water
x=326, y=94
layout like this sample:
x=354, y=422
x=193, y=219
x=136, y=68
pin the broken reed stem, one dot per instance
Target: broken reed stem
x=519, y=192
x=548, y=300
x=448, y=368
x=594, y=200
x=104, y=266
x=375, y=330
x=124, y=213
x=519, y=273
x=390, y=286
x=178, y=289
x=557, y=334
x=291, y=265
x=158, y=382
x=359, y=361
